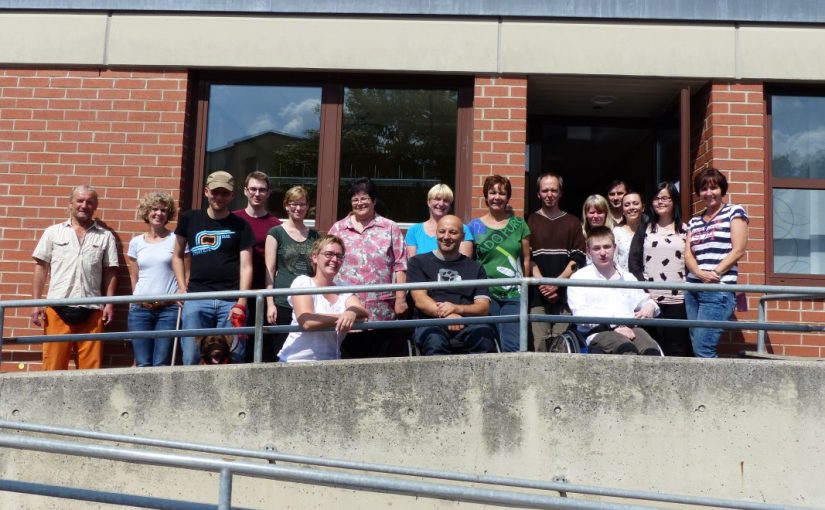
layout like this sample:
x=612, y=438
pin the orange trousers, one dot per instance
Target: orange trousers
x=56, y=355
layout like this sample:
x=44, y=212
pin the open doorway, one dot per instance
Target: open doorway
x=592, y=131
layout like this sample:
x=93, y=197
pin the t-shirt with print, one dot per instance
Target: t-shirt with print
x=499, y=252
x=427, y=267
x=215, y=247
x=292, y=259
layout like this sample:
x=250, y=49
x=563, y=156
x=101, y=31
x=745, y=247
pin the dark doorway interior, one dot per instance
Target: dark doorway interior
x=589, y=153
x=593, y=130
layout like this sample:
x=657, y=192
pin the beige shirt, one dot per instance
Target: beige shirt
x=76, y=270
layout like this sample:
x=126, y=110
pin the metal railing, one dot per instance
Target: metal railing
x=763, y=312
x=523, y=318
x=227, y=469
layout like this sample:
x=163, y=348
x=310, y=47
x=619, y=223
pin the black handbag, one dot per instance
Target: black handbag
x=73, y=314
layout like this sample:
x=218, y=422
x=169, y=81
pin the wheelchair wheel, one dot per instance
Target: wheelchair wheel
x=567, y=342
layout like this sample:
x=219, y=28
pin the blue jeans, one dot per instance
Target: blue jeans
x=152, y=352
x=472, y=339
x=507, y=331
x=209, y=313
x=707, y=306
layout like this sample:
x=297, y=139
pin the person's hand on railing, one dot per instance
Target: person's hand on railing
x=345, y=321
x=39, y=316
x=108, y=313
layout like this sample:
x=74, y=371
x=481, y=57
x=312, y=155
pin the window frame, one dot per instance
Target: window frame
x=332, y=109
x=772, y=183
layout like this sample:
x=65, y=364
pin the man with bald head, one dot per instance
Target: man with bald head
x=79, y=258
x=447, y=264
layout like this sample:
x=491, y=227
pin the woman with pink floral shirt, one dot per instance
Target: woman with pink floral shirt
x=375, y=255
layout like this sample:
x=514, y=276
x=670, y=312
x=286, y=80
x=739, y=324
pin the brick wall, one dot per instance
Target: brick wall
x=499, y=137
x=731, y=137
x=120, y=131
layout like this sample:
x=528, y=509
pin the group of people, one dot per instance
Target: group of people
x=216, y=249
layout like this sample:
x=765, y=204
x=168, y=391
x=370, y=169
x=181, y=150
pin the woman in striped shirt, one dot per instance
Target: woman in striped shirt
x=717, y=238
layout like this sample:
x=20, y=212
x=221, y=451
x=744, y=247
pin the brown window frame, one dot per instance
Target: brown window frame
x=329, y=151
x=771, y=183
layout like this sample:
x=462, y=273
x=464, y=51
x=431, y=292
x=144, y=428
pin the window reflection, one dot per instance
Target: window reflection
x=405, y=140
x=798, y=137
x=798, y=231
x=272, y=129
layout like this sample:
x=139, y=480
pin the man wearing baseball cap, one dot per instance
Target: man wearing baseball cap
x=220, y=246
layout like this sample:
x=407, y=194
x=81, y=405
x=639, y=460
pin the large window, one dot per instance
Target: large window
x=324, y=131
x=797, y=180
x=272, y=129
x=402, y=139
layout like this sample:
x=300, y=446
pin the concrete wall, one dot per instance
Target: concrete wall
x=727, y=428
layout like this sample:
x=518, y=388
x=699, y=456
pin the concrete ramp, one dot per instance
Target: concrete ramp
x=739, y=429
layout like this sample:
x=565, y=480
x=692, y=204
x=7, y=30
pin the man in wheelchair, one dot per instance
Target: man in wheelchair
x=444, y=264
x=611, y=302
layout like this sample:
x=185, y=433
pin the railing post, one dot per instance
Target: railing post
x=761, y=334
x=524, y=307
x=259, y=324
x=225, y=490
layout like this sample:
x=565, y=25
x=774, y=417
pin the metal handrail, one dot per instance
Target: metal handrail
x=523, y=318
x=227, y=469
x=763, y=313
x=273, y=456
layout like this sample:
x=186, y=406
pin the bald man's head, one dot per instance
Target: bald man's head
x=449, y=232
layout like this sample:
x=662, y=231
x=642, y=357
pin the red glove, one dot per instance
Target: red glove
x=238, y=319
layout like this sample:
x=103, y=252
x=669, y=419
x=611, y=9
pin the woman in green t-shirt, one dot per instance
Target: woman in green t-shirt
x=287, y=256
x=502, y=247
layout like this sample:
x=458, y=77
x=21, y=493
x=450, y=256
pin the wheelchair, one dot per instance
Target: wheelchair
x=571, y=341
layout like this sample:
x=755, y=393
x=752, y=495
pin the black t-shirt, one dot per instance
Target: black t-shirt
x=215, y=247
x=429, y=268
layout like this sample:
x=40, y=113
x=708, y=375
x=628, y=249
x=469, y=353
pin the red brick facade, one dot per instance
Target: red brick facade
x=124, y=133
x=499, y=137
x=120, y=131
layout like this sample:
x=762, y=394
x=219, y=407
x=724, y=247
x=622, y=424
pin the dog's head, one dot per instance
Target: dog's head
x=215, y=349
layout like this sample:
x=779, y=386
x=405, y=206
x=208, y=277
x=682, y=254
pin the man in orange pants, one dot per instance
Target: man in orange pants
x=80, y=259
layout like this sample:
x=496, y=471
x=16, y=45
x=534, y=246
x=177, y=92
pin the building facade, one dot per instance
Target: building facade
x=131, y=100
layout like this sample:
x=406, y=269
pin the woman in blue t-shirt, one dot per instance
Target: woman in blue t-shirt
x=421, y=236
x=717, y=238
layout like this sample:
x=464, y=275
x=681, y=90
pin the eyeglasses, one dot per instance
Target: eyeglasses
x=258, y=190
x=333, y=254
x=360, y=200
x=662, y=200
x=297, y=205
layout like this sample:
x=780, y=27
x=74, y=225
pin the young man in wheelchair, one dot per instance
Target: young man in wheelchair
x=611, y=302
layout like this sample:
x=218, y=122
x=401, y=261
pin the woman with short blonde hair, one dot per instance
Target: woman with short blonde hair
x=421, y=236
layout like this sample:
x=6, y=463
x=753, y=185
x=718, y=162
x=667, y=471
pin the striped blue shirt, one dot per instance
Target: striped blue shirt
x=710, y=240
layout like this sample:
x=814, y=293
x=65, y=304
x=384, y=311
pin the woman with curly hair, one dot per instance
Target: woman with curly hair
x=150, y=272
